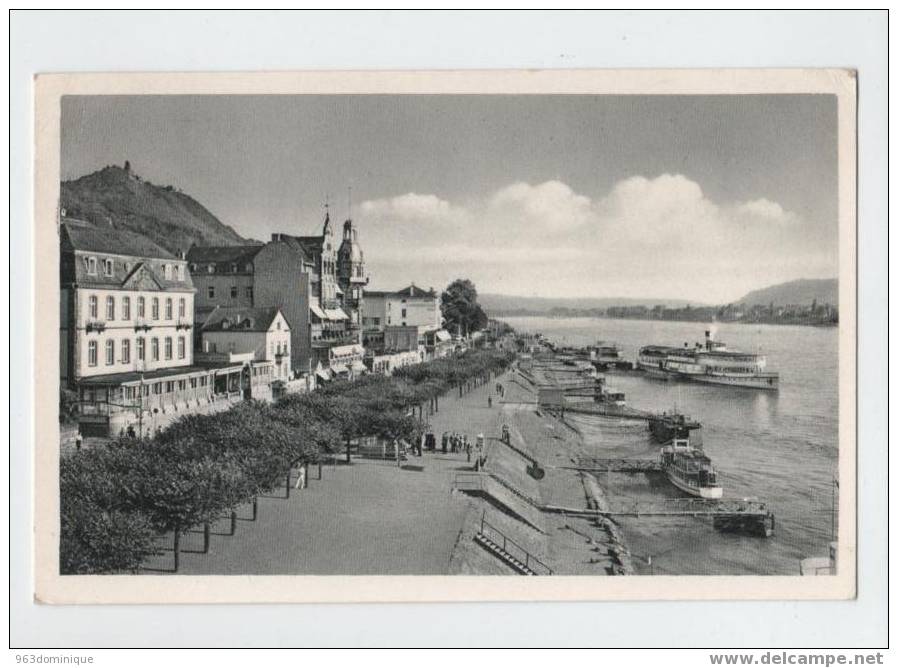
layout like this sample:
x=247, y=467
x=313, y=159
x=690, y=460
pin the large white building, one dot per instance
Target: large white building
x=125, y=332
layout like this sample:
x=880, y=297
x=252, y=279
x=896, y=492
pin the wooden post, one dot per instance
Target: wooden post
x=207, y=530
x=177, y=549
x=233, y=522
x=348, y=459
x=255, y=508
x=319, y=469
x=288, y=485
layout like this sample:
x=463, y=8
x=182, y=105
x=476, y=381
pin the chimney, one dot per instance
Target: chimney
x=708, y=339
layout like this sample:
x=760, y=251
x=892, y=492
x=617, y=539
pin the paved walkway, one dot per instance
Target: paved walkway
x=369, y=517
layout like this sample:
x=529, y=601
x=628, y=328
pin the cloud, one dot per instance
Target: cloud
x=645, y=237
x=552, y=205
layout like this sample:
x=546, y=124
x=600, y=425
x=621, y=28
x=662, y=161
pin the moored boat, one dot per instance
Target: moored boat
x=710, y=363
x=690, y=470
x=669, y=426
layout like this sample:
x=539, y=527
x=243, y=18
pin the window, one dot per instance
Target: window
x=92, y=266
x=92, y=353
x=108, y=267
x=168, y=311
x=92, y=307
x=182, y=307
x=169, y=386
x=249, y=292
x=110, y=308
x=155, y=308
x=211, y=268
x=141, y=307
x=233, y=267
x=126, y=308
x=233, y=291
x=110, y=352
x=211, y=292
x=167, y=271
x=193, y=383
x=182, y=348
x=141, y=349
x=180, y=272
x=154, y=350
x=403, y=313
x=168, y=347
x=182, y=384
x=157, y=387
x=126, y=352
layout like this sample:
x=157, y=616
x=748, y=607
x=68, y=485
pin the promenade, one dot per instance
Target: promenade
x=368, y=517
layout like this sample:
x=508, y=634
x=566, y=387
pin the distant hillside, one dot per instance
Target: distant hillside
x=493, y=303
x=120, y=199
x=803, y=291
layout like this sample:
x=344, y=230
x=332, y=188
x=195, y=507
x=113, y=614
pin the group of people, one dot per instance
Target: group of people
x=454, y=442
x=500, y=389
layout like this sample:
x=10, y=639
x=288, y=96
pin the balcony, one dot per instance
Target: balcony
x=142, y=326
x=330, y=339
x=183, y=324
x=95, y=326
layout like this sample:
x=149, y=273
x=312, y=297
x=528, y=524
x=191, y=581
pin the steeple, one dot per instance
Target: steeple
x=327, y=218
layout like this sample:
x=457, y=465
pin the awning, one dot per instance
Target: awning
x=339, y=368
x=358, y=367
x=317, y=310
x=323, y=374
x=335, y=314
x=443, y=335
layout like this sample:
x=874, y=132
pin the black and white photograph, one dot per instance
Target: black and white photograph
x=451, y=335
x=431, y=329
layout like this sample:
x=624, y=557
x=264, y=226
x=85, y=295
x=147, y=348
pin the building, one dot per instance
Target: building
x=126, y=317
x=296, y=274
x=410, y=307
x=351, y=275
x=259, y=333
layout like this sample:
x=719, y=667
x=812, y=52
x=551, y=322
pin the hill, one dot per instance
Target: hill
x=803, y=291
x=495, y=304
x=118, y=198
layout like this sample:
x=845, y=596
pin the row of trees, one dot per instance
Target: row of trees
x=116, y=500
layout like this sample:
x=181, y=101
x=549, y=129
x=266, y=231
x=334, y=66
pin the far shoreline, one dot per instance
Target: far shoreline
x=496, y=316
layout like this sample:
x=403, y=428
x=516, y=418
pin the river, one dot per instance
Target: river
x=779, y=447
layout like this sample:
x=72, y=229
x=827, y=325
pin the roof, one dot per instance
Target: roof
x=155, y=374
x=143, y=267
x=241, y=319
x=220, y=254
x=78, y=235
x=414, y=291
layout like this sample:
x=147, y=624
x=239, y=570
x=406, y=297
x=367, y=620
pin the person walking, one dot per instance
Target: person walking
x=489, y=401
x=445, y=442
x=301, y=477
x=468, y=450
x=79, y=441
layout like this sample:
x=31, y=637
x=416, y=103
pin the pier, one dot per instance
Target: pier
x=734, y=515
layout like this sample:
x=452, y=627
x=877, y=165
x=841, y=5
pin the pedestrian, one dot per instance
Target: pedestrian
x=301, y=477
x=130, y=433
x=489, y=401
x=79, y=440
x=445, y=442
x=468, y=450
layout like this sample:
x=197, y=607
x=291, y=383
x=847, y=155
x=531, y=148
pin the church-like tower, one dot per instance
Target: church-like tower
x=351, y=274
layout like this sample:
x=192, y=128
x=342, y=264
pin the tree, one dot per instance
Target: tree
x=460, y=309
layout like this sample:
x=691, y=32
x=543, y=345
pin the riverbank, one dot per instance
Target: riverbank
x=371, y=517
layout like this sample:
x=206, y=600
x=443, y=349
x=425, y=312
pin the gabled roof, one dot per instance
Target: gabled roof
x=77, y=235
x=237, y=319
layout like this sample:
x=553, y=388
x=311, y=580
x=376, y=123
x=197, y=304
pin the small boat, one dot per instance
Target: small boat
x=690, y=470
x=668, y=426
x=606, y=356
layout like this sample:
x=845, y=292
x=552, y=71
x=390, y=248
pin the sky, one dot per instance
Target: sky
x=701, y=198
